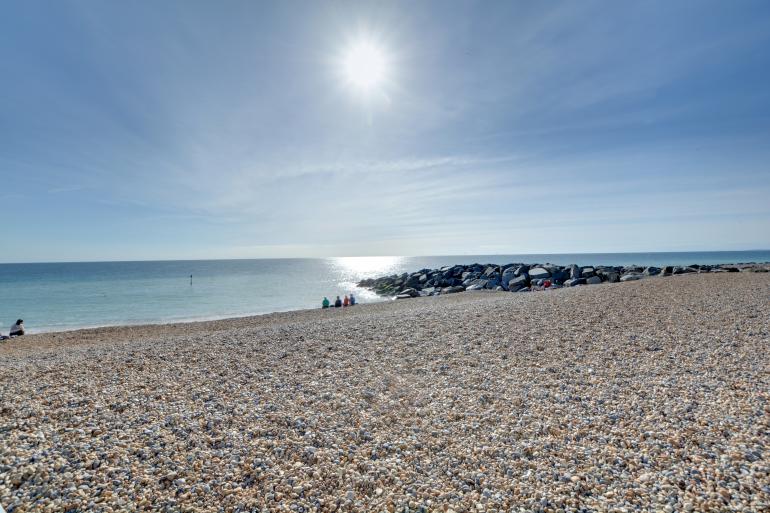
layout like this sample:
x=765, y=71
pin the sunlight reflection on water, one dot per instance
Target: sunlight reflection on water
x=368, y=267
x=351, y=270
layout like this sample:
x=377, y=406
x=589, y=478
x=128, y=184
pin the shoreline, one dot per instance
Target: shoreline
x=368, y=283
x=162, y=323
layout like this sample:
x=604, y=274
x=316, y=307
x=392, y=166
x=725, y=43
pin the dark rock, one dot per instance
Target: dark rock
x=508, y=275
x=575, y=281
x=652, y=271
x=574, y=271
x=631, y=277
x=593, y=280
x=559, y=276
x=477, y=285
x=489, y=271
x=453, y=290
x=522, y=269
x=538, y=273
x=413, y=281
x=518, y=282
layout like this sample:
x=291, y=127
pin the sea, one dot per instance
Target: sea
x=73, y=295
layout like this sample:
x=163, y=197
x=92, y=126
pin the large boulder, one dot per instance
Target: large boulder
x=587, y=272
x=593, y=280
x=508, y=275
x=409, y=292
x=413, y=281
x=574, y=272
x=538, y=273
x=652, y=271
x=559, y=276
x=575, y=281
x=453, y=290
x=631, y=277
x=490, y=271
x=613, y=277
x=518, y=282
x=477, y=285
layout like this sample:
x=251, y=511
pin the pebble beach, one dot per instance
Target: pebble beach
x=649, y=395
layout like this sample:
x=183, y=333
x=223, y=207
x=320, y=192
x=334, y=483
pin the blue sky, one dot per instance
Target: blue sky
x=156, y=130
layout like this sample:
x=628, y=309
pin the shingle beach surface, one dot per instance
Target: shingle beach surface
x=642, y=396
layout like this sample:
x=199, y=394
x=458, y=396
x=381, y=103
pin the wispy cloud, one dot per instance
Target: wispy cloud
x=66, y=189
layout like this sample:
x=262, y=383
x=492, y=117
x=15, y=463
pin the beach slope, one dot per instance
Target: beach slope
x=649, y=395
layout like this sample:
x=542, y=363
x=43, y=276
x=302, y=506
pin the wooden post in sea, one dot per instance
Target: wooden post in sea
x=191, y=280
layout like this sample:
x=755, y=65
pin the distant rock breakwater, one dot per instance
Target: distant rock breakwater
x=527, y=277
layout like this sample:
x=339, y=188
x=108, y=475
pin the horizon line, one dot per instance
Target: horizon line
x=383, y=256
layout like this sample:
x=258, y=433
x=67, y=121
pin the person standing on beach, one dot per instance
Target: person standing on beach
x=17, y=329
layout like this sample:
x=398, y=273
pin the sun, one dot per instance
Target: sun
x=365, y=66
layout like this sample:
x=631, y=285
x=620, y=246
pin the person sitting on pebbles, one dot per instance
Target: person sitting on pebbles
x=325, y=302
x=17, y=329
x=352, y=299
x=337, y=302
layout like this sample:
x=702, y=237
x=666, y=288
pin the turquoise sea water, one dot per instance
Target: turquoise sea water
x=60, y=296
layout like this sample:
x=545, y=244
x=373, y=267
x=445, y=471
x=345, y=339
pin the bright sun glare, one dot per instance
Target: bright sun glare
x=365, y=66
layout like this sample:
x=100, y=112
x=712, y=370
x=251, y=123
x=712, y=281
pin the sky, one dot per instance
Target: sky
x=185, y=130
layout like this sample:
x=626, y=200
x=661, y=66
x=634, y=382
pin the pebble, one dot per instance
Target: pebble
x=461, y=402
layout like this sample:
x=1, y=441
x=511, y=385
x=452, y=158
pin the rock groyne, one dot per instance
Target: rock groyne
x=520, y=277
